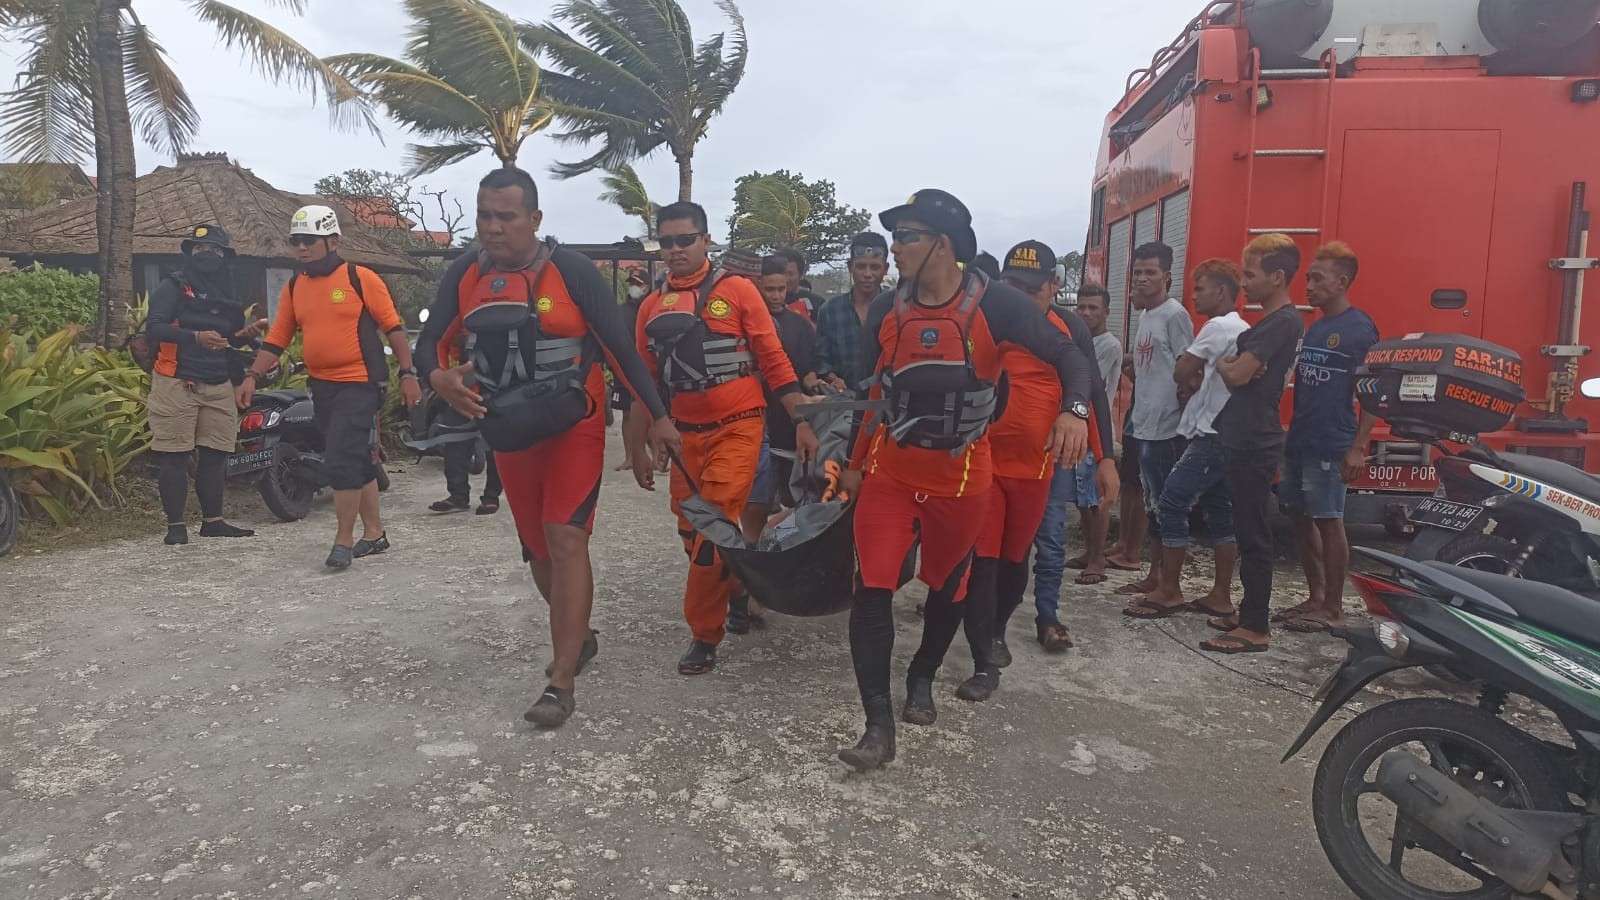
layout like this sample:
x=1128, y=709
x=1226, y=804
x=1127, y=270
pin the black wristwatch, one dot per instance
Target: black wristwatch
x=1079, y=409
x=404, y=372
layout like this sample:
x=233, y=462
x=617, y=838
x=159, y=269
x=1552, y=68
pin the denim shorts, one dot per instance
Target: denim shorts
x=1076, y=485
x=1312, y=487
x=771, y=487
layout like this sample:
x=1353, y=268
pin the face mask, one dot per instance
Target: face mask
x=207, y=265
x=635, y=292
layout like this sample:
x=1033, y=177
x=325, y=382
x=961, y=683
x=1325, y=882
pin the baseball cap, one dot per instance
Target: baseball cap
x=942, y=212
x=1031, y=263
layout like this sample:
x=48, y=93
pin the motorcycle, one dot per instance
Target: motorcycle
x=1431, y=797
x=426, y=432
x=10, y=515
x=280, y=449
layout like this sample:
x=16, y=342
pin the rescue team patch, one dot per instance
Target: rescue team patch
x=497, y=285
x=1333, y=341
x=202, y=231
x=929, y=337
x=338, y=295
x=545, y=304
x=670, y=300
x=719, y=308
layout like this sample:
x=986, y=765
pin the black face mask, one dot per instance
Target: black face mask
x=207, y=264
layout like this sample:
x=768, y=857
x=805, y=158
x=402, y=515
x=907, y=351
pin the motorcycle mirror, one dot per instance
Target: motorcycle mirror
x=1590, y=388
x=423, y=317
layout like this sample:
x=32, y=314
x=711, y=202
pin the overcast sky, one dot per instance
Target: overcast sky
x=1000, y=102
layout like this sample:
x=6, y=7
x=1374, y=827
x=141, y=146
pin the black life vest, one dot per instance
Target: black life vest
x=693, y=357
x=534, y=386
x=936, y=399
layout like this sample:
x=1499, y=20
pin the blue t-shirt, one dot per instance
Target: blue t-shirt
x=1324, y=423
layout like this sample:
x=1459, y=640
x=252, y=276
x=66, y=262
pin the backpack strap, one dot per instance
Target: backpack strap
x=355, y=281
x=703, y=295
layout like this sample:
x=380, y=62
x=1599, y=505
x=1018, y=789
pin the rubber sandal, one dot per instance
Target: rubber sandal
x=1309, y=625
x=1230, y=644
x=1195, y=606
x=340, y=556
x=1134, y=589
x=450, y=505
x=365, y=547
x=487, y=508
x=552, y=709
x=1151, y=611
x=1089, y=578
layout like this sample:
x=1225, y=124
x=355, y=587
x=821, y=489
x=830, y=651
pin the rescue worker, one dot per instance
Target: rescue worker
x=1023, y=472
x=922, y=467
x=539, y=320
x=340, y=309
x=839, y=320
x=197, y=321
x=709, y=339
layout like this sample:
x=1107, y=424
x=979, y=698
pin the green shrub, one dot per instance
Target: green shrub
x=44, y=301
x=71, y=421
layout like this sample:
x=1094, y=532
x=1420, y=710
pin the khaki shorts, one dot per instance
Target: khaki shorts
x=186, y=414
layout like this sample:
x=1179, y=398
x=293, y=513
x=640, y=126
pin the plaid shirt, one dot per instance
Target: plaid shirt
x=839, y=342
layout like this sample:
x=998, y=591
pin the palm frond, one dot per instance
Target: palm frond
x=473, y=47
x=625, y=190
x=424, y=158
x=161, y=107
x=416, y=99
x=282, y=59
x=49, y=115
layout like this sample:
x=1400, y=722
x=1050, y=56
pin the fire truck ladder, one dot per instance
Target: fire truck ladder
x=1259, y=100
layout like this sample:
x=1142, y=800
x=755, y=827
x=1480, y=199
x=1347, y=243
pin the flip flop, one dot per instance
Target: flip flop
x=1195, y=606
x=1297, y=611
x=1231, y=644
x=1077, y=563
x=1132, y=589
x=1089, y=578
x=1309, y=625
x=1223, y=623
x=1124, y=567
x=1151, y=611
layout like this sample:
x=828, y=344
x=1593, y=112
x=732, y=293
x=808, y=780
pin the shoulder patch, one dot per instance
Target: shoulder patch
x=338, y=295
x=719, y=308
x=545, y=304
x=668, y=301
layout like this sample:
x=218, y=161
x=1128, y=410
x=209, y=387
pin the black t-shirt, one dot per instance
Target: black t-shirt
x=1250, y=420
x=799, y=340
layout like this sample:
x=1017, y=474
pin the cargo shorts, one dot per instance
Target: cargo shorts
x=188, y=414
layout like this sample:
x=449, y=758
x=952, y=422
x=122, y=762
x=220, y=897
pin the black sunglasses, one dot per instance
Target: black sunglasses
x=303, y=240
x=912, y=235
x=680, y=241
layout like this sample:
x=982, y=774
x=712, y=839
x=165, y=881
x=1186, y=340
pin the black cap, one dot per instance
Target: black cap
x=869, y=243
x=1031, y=263
x=208, y=234
x=987, y=264
x=942, y=212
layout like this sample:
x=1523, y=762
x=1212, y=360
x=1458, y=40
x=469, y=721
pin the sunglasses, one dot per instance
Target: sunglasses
x=912, y=235
x=680, y=241
x=303, y=240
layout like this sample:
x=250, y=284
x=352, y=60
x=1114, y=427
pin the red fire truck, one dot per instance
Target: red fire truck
x=1450, y=143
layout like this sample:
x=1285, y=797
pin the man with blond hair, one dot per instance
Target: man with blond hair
x=1326, y=445
x=1251, y=432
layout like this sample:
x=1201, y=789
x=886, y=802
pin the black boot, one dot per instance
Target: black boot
x=739, y=615
x=177, y=534
x=219, y=528
x=876, y=747
x=919, y=701
x=552, y=709
x=699, y=659
x=981, y=686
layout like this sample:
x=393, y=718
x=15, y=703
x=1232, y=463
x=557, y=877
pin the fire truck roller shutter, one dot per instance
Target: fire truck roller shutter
x=1517, y=25
x=1144, y=231
x=1118, y=251
x=1175, y=234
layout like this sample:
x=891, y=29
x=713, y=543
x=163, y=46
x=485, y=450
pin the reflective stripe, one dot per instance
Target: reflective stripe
x=558, y=350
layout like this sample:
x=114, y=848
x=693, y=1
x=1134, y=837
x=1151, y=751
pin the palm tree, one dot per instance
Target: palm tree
x=92, y=72
x=634, y=80
x=774, y=215
x=465, y=81
x=625, y=189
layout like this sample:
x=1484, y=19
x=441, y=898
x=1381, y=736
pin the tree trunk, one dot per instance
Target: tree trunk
x=685, y=176
x=116, y=194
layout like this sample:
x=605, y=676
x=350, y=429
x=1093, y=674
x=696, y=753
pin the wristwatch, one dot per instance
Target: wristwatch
x=404, y=372
x=1079, y=409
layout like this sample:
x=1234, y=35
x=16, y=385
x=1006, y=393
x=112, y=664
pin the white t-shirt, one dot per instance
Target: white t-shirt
x=1164, y=332
x=1108, y=353
x=1219, y=338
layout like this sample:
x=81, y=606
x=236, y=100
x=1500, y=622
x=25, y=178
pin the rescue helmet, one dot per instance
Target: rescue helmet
x=319, y=221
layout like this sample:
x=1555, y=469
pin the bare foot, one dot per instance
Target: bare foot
x=1163, y=598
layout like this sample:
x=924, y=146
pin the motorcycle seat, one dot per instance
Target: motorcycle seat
x=1555, y=473
x=1559, y=610
x=282, y=398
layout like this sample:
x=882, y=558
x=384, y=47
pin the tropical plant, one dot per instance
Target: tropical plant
x=625, y=190
x=465, y=82
x=71, y=421
x=783, y=209
x=91, y=72
x=628, y=74
x=47, y=300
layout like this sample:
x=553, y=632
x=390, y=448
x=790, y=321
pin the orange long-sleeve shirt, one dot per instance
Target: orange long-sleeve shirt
x=735, y=309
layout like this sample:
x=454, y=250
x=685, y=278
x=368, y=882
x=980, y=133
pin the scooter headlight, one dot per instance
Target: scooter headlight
x=1392, y=637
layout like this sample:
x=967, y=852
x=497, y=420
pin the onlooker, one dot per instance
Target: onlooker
x=1133, y=522
x=1165, y=331
x=839, y=321
x=799, y=342
x=344, y=312
x=196, y=321
x=801, y=299
x=1198, y=478
x=1076, y=487
x=1251, y=432
x=1326, y=446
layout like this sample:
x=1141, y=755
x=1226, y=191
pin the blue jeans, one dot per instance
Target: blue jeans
x=1050, y=546
x=1156, y=462
x=1200, y=477
x=1312, y=487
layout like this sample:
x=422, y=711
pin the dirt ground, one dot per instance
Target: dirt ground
x=228, y=719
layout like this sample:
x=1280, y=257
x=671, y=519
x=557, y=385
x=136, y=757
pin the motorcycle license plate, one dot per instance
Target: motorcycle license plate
x=242, y=463
x=1446, y=514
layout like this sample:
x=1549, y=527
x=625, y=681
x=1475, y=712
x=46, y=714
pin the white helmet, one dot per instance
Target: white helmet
x=320, y=221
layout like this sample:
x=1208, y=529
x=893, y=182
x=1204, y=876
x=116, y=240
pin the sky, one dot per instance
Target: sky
x=1000, y=103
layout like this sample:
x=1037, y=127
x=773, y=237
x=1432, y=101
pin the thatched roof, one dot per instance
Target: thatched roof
x=207, y=189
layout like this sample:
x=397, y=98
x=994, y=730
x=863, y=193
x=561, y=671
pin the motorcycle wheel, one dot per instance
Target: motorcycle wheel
x=480, y=459
x=1477, y=750
x=10, y=516
x=283, y=490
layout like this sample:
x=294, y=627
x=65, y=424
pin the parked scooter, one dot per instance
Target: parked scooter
x=281, y=449
x=1431, y=797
